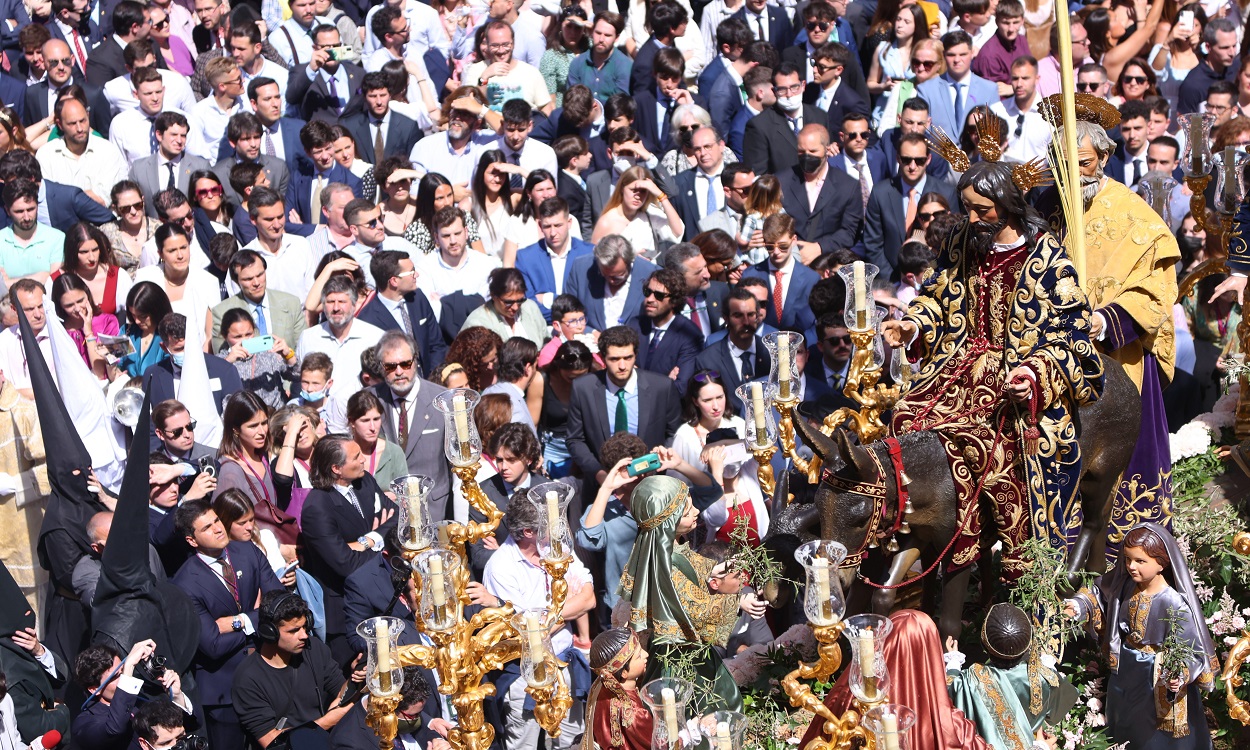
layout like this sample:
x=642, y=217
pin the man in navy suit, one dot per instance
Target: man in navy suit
x=667, y=342
x=789, y=281
x=893, y=204
x=862, y=164
x=952, y=95
x=654, y=120
x=768, y=22
x=609, y=282
x=279, y=137
x=699, y=190
x=310, y=176
x=379, y=124
x=828, y=89
x=224, y=581
x=833, y=220
x=722, y=88
x=771, y=138
x=330, y=91
x=537, y=262
x=758, y=85
x=913, y=119
x=158, y=381
x=732, y=39
x=667, y=21
x=741, y=355
x=400, y=306
x=65, y=204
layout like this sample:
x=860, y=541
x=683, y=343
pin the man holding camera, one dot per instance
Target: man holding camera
x=114, y=686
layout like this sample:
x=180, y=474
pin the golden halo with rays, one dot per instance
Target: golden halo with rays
x=1089, y=108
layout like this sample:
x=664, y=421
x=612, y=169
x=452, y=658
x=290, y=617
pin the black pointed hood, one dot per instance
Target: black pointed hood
x=70, y=505
x=18, y=665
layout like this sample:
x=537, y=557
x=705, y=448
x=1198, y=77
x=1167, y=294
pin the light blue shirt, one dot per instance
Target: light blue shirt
x=631, y=402
x=44, y=249
x=918, y=190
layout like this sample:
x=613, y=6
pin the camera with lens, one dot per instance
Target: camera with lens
x=190, y=742
x=151, y=670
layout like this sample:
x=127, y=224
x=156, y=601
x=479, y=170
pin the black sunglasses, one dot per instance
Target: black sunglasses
x=838, y=339
x=393, y=366
x=177, y=433
x=917, y=160
x=1087, y=86
x=659, y=296
x=706, y=376
x=925, y=216
x=817, y=26
x=1135, y=79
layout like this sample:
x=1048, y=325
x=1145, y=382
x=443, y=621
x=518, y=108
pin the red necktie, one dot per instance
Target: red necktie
x=79, y=51
x=228, y=575
x=694, y=314
x=777, y=300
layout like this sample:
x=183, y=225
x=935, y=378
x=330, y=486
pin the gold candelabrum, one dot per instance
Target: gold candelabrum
x=1237, y=708
x=1228, y=169
x=464, y=652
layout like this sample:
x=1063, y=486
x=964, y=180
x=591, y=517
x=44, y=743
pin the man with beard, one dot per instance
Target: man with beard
x=1005, y=360
x=343, y=339
x=1131, y=284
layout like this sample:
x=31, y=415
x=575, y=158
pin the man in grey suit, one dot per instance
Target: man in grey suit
x=411, y=421
x=170, y=166
x=598, y=278
x=244, y=134
x=952, y=95
x=275, y=313
x=735, y=180
x=604, y=403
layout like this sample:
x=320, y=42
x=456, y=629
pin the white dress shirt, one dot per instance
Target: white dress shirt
x=737, y=353
x=435, y=154
x=13, y=356
x=701, y=180
x=131, y=132
x=472, y=276
x=120, y=93
x=293, y=269
x=301, y=37
x=99, y=168
x=344, y=354
x=208, y=126
x=268, y=69
x=1028, y=133
x=614, y=303
x=533, y=155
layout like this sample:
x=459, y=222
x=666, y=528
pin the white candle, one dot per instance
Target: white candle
x=889, y=723
x=534, y=633
x=414, y=511
x=722, y=736
x=553, y=522
x=867, y=653
x=383, y=635
x=444, y=540
x=1195, y=142
x=757, y=404
x=861, y=295
x=820, y=576
x=437, y=594
x=1230, y=172
x=783, y=365
x=669, y=700
x=461, y=410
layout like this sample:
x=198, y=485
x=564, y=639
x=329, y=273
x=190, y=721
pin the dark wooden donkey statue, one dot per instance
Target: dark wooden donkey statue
x=1108, y=430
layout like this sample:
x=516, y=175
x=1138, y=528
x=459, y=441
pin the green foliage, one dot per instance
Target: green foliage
x=1175, y=653
x=1041, y=589
x=753, y=559
x=1190, y=475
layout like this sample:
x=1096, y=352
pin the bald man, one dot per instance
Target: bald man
x=826, y=203
x=81, y=158
x=87, y=571
x=41, y=98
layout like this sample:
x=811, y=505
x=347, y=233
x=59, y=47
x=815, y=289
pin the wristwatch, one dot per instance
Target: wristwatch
x=236, y=624
x=366, y=541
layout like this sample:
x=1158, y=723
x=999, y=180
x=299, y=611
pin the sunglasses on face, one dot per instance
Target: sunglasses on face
x=659, y=296
x=211, y=192
x=372, y=223
x=129, y=207
x=512, y=302
x=1135, y=79
x=835, y=340
x=176, y=433
x=817, y=26
x=925, y=64
x=67, y=62
x=863, y=134
x=393, y=366
x=160, y=24
x=923, y=216
x=916, y=160
x=1087, y=87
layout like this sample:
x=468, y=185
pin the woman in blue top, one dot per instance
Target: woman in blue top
x=146, y=305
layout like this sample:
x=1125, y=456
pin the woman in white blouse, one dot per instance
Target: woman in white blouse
x=191, y=291
x=641, y=213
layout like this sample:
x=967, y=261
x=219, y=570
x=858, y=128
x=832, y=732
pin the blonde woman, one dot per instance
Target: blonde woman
x=641, y=213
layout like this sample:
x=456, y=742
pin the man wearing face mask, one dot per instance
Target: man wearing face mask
x=1018, y=272
x=826, y=203
x=770, y=141
x=161, y=380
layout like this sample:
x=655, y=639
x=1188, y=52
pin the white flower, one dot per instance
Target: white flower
x=1190, y=440
x=1229, y=640
x=1094, y=704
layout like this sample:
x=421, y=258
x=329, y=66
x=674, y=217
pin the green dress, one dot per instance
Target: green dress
x=665, y=585
x=994, y=699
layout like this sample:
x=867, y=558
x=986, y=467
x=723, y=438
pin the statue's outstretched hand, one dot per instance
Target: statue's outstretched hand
x=898, y=333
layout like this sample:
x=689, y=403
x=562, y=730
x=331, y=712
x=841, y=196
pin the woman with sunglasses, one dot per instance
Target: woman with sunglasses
x=1175, y=52
x=706, y=440
x=1136, y=82
x=928, y=60
x=133, y=229
x=641, y=213
x=931, y=205
x=572, y=360
x=509, y=312
x=89, y=256
x=212, y=210
x=891, y=62
x=173, y=49
x=434, y=193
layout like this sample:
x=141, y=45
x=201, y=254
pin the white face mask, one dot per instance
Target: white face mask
x=622, y=163
x=790, y=103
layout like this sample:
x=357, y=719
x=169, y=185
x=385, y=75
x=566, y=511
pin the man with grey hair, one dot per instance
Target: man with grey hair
x=342, y=338
x=609, y=282
x=333, y=234
x=1219, y=36
x=412, y=422
x=705, y=297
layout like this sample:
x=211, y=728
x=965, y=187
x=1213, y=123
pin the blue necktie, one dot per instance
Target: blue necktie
x=262, y=325
x=711, y=194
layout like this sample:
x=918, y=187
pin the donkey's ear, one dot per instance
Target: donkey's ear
x=819, y=441
x=855, y=455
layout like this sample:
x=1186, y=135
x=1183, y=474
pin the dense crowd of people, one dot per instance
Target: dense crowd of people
x=293, y=224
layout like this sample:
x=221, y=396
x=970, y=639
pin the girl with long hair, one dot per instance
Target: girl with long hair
x=1136, y=82
x=89, y=256
x=212, y=210
x=434, y=193
x=83, y=320
x=1177, y=48
x=476, y=348
x=383, y=459
x=133, y=228
x=244, y=464
x=295, y=430
x=641, y=213
x=540, y=185
x=891, y=62
x=12, y=134
x=192, y=291
x=763, y=199
x=394, y=176
x=146, y=306
x=494, y=203
x=566, y=39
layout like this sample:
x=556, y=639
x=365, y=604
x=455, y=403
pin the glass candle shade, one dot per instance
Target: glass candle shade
x=875, y=316
x=536, y=668
x=757, y=397
x=667, y=698
x=823, y=602
x=902, y=370
x=1157, y=191
x=784, y=376
x=858, y=277
x=461, y=443
x=724, y=730
x=869, y=679
x=414, y=528
x=1230, y=171
x=891, y=724
x=440, y=607
x=1196, y=156
x=384, y=675
x=555, y=540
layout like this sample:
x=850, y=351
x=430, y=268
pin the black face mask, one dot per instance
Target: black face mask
x=809, y=163
x=685, y=139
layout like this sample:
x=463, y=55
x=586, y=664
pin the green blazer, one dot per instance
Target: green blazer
x=286, y=313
